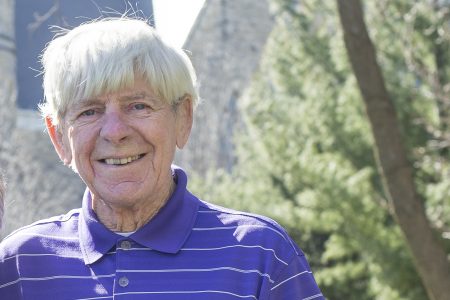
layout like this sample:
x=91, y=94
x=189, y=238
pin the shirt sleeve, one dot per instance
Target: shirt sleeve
x=9, y=278
x=295, y=281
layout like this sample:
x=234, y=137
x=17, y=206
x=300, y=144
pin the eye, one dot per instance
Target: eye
x=139, y=106
x=88, y=113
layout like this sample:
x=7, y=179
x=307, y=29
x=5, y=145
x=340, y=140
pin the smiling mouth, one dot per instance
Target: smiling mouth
x=121, y=161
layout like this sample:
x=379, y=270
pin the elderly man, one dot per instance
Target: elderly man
x=119, y=101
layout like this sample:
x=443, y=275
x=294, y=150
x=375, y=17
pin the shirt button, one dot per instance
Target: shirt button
x=123, y=281
x=125, y=245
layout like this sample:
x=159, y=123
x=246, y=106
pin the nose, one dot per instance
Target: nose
x=114, y=127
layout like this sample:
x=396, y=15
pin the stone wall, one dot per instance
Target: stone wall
x=225, y=43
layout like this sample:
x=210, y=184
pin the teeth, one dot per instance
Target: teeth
x=120, y=161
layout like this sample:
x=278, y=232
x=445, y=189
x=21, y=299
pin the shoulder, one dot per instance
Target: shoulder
x=40, y=234
x=240, y=218
x=246, y=227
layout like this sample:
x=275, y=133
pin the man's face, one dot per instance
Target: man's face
x=122, y=144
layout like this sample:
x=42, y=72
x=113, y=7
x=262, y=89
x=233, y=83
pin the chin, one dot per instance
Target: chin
x=123, y=194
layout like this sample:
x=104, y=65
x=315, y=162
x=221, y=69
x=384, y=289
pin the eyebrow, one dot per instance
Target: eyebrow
x=85, y=102
x=92, y=101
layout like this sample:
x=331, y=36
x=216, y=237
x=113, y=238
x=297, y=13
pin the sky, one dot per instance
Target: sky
x=174, y=18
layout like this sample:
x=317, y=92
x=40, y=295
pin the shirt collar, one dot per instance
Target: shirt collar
x=165, y=232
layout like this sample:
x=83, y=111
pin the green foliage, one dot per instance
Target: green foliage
x=306, y=158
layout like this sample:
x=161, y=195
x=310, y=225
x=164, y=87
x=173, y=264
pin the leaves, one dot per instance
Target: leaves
x=306, y=156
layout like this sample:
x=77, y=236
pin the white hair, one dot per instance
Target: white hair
x=104, y=56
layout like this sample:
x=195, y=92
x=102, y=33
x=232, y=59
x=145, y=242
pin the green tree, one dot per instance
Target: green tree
x=307, y=157
x=429, y=256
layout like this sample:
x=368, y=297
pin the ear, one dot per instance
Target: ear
x=184, y=119
x=58, y=141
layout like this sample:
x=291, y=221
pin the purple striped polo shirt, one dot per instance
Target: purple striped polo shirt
x=190, y=250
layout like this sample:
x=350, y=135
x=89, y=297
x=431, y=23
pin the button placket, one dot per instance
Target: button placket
x=122, y=280
x=126, y=245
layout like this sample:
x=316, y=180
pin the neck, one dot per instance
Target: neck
x=127, y=219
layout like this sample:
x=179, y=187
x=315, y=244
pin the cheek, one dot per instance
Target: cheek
x=66, y=146
x=70, y=150
x=72, y=138
x=80, y=146
x=167, y=137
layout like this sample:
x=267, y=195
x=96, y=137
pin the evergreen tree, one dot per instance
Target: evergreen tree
x=307, y=159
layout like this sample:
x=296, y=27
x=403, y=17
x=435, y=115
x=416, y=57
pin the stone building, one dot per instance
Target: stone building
x=7, y=82
x=8, y=78
x=225, y=43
